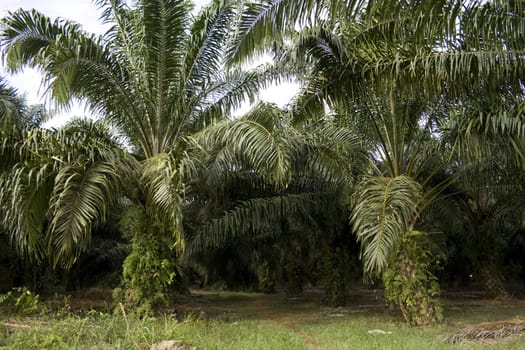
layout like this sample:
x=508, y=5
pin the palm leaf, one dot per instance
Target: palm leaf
x=81, y=197
x=255, y=217
x=382, y=210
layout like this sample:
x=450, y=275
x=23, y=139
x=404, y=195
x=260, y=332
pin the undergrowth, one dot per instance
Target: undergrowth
x=254, y=322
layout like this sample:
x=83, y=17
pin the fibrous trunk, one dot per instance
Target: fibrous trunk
x=149, y=270
x=493, y=280
x=337, y=268
x=410, y=281
x=293, y=269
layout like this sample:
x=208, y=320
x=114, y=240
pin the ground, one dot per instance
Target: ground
x=228, y=320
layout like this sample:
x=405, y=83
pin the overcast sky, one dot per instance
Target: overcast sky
x=87, y=14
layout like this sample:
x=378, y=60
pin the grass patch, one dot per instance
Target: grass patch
x=210, y=320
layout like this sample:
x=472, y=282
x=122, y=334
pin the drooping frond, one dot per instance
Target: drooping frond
x=264, y=24
x=332, y=154
x=256, y=138
x=60, y=189
x=382, y=210
x=81, y=196
x=12, y=109
x=25, y=195
x=256, y=218
x=481, y=127
x=160, y=176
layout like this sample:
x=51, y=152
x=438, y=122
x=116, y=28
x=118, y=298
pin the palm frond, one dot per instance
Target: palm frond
x=205, y=51
x=382, y=210
x=256, y=218
x=161, y=178
x=25, y=196
x=61, y=188
x=267, y=23
x=81, y=197
x=266, y=148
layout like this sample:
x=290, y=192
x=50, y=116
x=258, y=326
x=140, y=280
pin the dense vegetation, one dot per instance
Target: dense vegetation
x=399, y=162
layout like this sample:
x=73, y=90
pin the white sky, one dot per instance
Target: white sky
x=87, y=14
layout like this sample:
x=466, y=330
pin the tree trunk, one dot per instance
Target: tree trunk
x=266, y=278
x=421, y=307
x=410, y=282
x=493, y=280
x=149, y=270
x=337, y=269
x=293, y=268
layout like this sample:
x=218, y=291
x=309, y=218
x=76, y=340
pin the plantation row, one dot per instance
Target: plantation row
x=399, y=161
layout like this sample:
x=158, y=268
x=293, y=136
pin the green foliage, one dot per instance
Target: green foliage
x=410, y=279
x=105, y=331
x=149, y=270
x=147, y=273
x=157, y=76
x=20, y=301
x=256, y=322
x=383, y=208
x=266, y=278
x=54, y=195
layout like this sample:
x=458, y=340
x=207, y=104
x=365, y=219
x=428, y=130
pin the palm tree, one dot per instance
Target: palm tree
x=12, y=110
x=44, y=193
x=240, y=207
x=157, y=77
x=488, y=197
x=15, y=117
x=390, y=65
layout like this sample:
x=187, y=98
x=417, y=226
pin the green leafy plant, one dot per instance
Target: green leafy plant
x=410, y=279
x=20, y=301
x=148, y=273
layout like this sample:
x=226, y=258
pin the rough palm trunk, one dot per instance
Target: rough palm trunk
x=421, y=307
x=486, y=249
x=410, y=281
x=149, y=270
x=492, y=280
x=337, y=268
x=293, y=268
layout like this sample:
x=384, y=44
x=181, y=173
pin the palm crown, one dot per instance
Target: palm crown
x=157, y=76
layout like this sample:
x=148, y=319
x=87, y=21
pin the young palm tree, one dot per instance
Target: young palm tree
x=15, y=117
x=46, y=194
x=158, y=77
x=301, y=217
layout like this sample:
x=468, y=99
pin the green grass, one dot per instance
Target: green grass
x=255, y=321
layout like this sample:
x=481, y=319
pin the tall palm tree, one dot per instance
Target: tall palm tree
x=389, y=65
x=13, y=112
x=158, y=77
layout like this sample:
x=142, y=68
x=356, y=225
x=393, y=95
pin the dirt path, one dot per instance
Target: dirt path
x=290, y=313
x=267, y=310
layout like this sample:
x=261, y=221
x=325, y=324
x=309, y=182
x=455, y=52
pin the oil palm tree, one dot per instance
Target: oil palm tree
x=297, y=220
x=390, y=65
x=158, y=77
x=44, y=193
x=487, y=132
x=15, y=117
x=12, y=107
